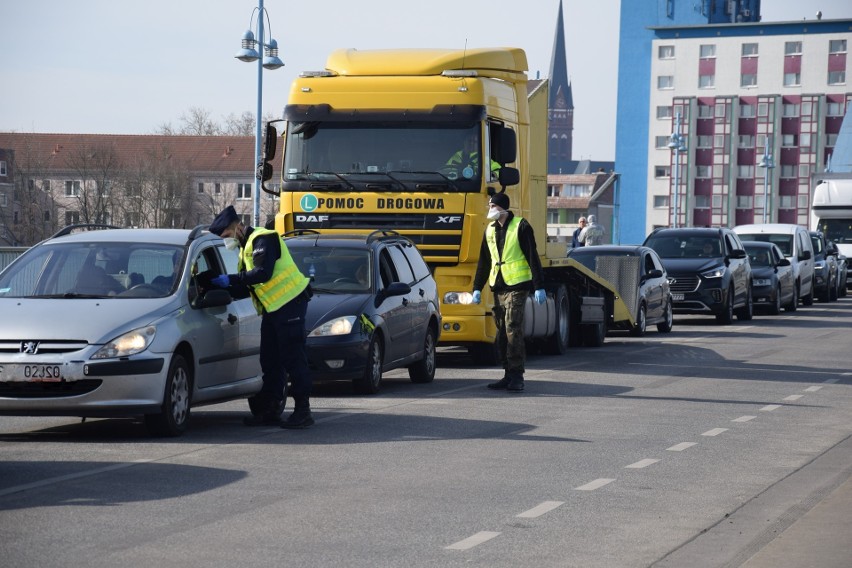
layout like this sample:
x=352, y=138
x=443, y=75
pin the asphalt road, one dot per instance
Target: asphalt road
x=696, y=448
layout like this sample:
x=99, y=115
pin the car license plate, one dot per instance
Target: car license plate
x=677, y=297
x=31, y=373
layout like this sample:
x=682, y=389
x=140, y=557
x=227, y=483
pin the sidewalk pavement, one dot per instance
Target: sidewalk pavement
x=821, y=538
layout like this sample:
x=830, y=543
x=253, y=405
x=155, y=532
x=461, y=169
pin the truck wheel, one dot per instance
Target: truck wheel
x=557, y=344
x=593, y=334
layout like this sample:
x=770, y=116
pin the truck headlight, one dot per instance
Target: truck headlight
x=130, y=343
x=458, y=298
x=337, y=326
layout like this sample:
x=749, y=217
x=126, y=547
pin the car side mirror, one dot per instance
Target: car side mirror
x=212, y=299
x=784, y=262
x=738, y=254
x=806, y=255
x=395, y=289
x=655, y=273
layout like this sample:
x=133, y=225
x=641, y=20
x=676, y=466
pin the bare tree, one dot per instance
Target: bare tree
x=30, y=214
x=98, y=167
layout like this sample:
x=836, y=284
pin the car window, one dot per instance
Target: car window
x=231, y=258
x=415, y=259
x=386, y=269
x=403, y=269
x=649, y=264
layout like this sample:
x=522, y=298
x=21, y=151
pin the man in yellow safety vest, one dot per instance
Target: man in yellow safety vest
x=508, y=259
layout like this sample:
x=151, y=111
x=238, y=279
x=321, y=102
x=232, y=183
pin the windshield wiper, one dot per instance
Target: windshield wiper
x=321, y=185
x=448, y=181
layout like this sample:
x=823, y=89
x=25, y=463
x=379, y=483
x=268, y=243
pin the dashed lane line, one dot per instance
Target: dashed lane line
x=714, y=432
x=770, y=407
x=471, y=541
x=540, y=510
x=596, y=484
x=642, y=463
x=745, y=418
x=682, y=446
x=793, y=397
x=812, y=389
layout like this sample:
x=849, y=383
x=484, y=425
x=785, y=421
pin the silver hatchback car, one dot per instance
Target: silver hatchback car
x=124, y=322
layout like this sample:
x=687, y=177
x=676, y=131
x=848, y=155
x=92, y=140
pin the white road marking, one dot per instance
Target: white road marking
x=793, y=397
x=745, y=418
x=596, y=484
x=812, y=389
x=714, y=432
x=472, y=541
x=541, y=509
x=641, y=463
x=832, y=381
x=682, y=446
x=770, y=407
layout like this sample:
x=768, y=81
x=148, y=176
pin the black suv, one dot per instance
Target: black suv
x=825, y=267
x=708, y=271
x=375, y=307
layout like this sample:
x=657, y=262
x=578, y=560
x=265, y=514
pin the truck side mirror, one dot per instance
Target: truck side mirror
x=509, y=176
x=504, y=145
x=264, y=168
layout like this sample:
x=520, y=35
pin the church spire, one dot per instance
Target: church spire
x=561, y=105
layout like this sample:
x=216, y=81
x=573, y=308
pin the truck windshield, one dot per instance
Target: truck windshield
x=384, y=156
x=837, y=230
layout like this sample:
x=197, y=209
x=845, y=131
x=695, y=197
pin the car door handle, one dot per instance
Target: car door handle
x=232, y=319
x=422, y=292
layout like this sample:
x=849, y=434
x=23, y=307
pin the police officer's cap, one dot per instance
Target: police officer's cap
x=224, y=220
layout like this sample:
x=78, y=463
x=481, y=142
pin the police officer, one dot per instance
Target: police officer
x=281, y=294
x=509, y=260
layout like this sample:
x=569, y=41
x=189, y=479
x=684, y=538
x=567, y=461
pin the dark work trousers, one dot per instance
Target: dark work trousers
x=509, y=317
x=282, y=351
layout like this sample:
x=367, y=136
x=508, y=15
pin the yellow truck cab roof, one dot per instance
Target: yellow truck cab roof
x=420, y=62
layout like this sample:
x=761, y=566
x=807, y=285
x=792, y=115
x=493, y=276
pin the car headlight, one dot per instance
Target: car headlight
x=130, y=343
x=337, y=326
x=762, y=282
x=819, y=266
x=458, y=298
x=717, y=272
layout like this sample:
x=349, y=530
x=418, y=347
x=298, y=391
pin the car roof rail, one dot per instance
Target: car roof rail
x=300, y=232
x=380, y=234
x=196, y=232
x=68, y=229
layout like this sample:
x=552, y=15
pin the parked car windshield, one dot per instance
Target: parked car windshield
x=93, y=270
x=684, y=246
x=334, y=270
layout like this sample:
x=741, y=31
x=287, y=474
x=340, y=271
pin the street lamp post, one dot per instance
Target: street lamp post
x=248, y=53
x=768, y=163
x=677, y=146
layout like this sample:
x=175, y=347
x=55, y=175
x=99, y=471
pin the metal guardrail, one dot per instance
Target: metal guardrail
x=8, y=254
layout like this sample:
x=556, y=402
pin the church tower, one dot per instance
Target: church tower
x=561, y=107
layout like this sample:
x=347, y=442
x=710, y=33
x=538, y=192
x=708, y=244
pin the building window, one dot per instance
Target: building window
x=789, y=140
x=664, y=112
x=705, y=111
x=245, y=220
x=662, y=171
x=746, y=141
x=749, y=49
x=793, y=48
x=748, y=80
x=661, y=202
x=792, y=79
x=787, y=202
x=665, y=82
x=745, y=171
x=72, y=217
x=45, y=184
x=747, y=111
x=47, y=216
x=805, y=141
x=804, y=170
x=834, y=109
x=706, y=81
x=837, y=77
x=702, y=202
x=745, y=202
x=705, y=141
x=790, y=110
x=666, y=52
x=3, y=169
x=788, y=171
x=762, y=109
x=707, y=51
x=243, y=191
x=721, y=110
x=702, y=171
x=217, y=188
x=200, y=187
x=670, y=8
x=837, y=46
x=661, y=142
x=4, y=201
x=72, y=189
x=830, y=139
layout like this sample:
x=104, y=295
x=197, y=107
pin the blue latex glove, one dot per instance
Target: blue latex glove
x=477, y=296
x=540, y=296
x=222, y=281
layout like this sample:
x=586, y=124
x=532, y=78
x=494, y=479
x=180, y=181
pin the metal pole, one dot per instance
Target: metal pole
x=257, y=140
x=676, y=149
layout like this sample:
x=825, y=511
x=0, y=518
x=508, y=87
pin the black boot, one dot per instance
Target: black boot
x=502, y=384
x=301, y=417
x=265, y=411
x=516, y=383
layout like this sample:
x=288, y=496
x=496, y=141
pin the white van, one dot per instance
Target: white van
x=795, y=242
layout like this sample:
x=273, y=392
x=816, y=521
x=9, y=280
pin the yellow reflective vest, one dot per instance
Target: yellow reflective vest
x=513, y=264
x=285, y=283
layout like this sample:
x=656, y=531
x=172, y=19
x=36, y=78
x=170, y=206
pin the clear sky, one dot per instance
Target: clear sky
x=129, y=66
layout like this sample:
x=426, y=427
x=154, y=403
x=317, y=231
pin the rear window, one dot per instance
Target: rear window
x=784, y=242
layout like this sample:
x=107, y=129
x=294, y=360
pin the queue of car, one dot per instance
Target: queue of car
x=125, y=322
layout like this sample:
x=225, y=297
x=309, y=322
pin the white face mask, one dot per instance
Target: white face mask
x=231, y=243
x=494, y=214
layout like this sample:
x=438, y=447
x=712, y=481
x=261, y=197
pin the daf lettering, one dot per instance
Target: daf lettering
x=311, y=218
